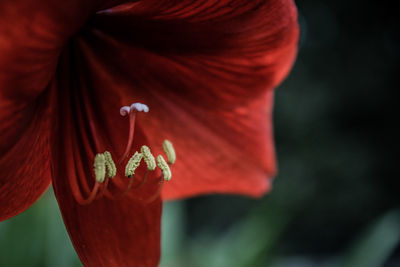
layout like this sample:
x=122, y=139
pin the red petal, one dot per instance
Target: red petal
x=107, y=232
x=32, y=34
x=24, y=157
x=206, y=69
x=111, y=233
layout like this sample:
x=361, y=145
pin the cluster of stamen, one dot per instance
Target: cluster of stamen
x=104, y=167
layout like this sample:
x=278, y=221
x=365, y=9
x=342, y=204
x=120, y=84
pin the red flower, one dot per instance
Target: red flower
x=205, y=68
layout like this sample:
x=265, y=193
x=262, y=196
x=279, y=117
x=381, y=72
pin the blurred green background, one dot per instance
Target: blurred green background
x=336, y=199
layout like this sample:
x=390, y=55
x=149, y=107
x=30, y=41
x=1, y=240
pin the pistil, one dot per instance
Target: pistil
x=131, y=111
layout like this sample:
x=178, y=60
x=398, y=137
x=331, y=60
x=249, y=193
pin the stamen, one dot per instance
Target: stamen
x=166, y=171
x=105, y=168
x=169, y=151
x=100, y=167
x=148, y=158
x=133, y=163
x=110, y=165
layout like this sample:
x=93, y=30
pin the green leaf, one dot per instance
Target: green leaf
x=376, y=243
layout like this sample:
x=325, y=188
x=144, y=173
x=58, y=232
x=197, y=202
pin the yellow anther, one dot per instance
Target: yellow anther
x=166, y=171
x=148, y=158
x=111, y=169
x=99, y=167
x=169, y=151
x=133, y=163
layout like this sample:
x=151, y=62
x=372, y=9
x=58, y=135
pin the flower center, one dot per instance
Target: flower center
x=105, y=169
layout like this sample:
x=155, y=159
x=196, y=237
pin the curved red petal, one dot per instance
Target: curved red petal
x=206, y=69
x=123, y=230
x=24, y=156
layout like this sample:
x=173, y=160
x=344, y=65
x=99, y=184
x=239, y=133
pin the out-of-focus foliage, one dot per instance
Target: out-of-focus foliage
x=376, y=244
x=37, y=238
x=336, y=199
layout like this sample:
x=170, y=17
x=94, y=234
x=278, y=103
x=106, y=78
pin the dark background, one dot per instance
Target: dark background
x=336, y=199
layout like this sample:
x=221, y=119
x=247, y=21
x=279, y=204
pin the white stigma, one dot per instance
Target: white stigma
x=125, y=110
x=140, y=107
